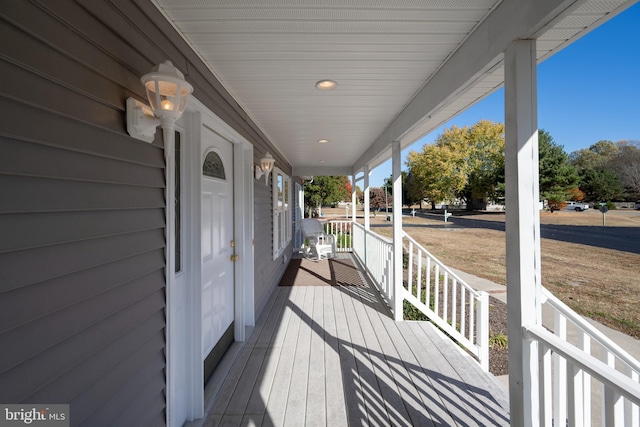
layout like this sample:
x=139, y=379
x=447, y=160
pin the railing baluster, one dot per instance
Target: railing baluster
x=427, y=286
x=463, y=309
x=419, y=281
x=482, y=338
x=574, y=403
x=584, y=382
x=546, y=385
x=472, y=317
x=410, y=267
x=612, y=402
x=436, y=290
x=445, y=300
x=454, y=303
x=560, y=375
x=631, y=411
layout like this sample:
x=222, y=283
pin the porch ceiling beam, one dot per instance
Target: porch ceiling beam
x=481, y=52
x=321, y=171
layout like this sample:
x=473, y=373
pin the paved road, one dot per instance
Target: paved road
x=619, y=238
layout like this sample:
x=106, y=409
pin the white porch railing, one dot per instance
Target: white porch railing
x=448, y=301
x=376, y=255
x=566, y=371
x=341, y=229
x=577, y=387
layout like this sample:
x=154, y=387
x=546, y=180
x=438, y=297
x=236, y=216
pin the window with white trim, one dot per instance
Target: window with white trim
x=281, y=211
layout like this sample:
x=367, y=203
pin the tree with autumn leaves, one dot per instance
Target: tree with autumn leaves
x=326, y=191
x=464, y=163
x=468, y=163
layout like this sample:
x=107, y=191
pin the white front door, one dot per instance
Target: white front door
x=216, y=239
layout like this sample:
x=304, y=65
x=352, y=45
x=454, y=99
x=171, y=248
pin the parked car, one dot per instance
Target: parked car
x=577, y=206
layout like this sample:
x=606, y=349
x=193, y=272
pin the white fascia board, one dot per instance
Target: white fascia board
x=321, y=170
x=481, y=52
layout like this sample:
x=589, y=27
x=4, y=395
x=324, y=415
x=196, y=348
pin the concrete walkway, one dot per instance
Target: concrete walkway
x=629, y=344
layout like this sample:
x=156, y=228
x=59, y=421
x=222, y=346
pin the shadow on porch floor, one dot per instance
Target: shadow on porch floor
x=323, y=355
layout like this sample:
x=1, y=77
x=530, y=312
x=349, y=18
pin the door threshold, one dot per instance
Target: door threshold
x=213, y=386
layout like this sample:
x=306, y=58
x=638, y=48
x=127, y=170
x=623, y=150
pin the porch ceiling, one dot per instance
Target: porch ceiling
x=403, y=67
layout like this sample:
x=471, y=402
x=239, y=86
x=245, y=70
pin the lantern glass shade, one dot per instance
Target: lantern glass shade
x=167, y=91
x=266, y=163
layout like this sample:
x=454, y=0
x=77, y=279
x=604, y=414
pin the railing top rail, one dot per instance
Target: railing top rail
x=443, y=266
x=592, y=331
x=376, y=235
x=604, y=373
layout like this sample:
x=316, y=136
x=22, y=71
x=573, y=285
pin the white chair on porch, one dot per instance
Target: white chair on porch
x=320, y=243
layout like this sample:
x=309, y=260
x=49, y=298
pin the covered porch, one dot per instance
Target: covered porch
x=327, y=351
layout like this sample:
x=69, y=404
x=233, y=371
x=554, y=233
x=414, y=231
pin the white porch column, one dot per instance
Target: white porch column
x=397, y=230
x=367, y=198
x=354, y=197
x=522, y=229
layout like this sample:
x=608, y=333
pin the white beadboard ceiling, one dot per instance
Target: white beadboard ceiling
x=385, y=55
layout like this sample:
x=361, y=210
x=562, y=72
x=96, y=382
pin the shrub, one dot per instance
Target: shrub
x=343, y=240
x=499, y=340
x=409, y=312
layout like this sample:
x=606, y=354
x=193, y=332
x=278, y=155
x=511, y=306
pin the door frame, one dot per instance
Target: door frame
x=195, y=117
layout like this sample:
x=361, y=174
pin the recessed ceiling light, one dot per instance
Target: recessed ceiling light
x=326, y=85
x=322, y=161
x=323, y=141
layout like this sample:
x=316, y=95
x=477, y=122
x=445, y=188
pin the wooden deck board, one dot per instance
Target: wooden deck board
x=389, y=392
x=348, y=366
x=280, y=318
x=336, y=414
x=316, y=414
x=390, y=338
x=376, y=412
x=277, y=403
x=297, y=396
x=333, y=356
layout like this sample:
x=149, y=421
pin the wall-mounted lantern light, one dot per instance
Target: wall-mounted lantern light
x=265, y=168
x=167, y=92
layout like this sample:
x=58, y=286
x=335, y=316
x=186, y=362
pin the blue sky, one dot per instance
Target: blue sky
x=587, y=92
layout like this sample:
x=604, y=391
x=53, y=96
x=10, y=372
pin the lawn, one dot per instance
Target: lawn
x=603, y=284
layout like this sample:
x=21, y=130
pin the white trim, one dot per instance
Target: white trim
x=281, y=215
x=398, y=289
x=243, y=232
x=196, y=116
x=522, y=229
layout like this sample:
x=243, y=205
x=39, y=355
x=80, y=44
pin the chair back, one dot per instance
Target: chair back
x=311, y=226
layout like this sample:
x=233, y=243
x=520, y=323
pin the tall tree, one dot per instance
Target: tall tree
x=609, y=170
x=626, y=165
x=411, y=192
x=558, y=177
x=325, y=190
x=407, y=199
x=427, y=180
x=377, y=199
x=463, y=163
x=596, y=156
x=600, y=185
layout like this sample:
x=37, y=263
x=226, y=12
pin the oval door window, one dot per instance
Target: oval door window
x=213, y=166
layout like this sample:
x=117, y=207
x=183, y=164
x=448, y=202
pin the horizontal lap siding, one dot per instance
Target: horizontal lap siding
x=82, y=287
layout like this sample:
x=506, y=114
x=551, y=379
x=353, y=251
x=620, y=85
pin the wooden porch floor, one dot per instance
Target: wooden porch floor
x=333, y=356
